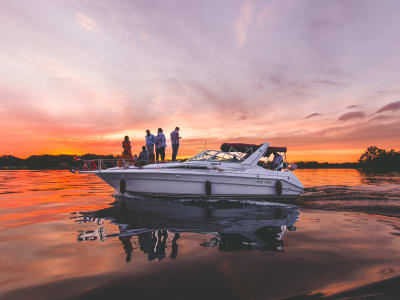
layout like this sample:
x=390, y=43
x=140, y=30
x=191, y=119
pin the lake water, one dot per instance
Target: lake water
x=67, y=236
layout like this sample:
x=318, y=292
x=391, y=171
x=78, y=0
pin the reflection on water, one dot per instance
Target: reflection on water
x=59, y=232
x=152, y=225
x=345, y=177
x=376, y=193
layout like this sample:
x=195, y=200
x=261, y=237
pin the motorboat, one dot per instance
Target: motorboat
x=237, y=170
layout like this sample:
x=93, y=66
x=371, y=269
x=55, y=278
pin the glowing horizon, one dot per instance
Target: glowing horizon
x=318, y=77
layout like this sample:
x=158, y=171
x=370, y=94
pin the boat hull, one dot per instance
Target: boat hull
x=194, y=185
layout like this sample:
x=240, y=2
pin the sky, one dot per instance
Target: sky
x=320, y=77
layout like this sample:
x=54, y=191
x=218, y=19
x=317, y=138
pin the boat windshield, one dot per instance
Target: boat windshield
x=213, y=155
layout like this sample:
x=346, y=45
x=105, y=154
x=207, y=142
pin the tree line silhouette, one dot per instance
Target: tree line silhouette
x=42, y=162
x=378, y=159
x=372, y=159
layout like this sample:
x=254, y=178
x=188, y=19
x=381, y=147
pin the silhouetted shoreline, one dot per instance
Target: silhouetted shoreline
x=65, y=162
x=373, y=159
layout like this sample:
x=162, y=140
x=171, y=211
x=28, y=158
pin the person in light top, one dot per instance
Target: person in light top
x=150, y=141
x=175, y=142
x=277, y=162
x=161, y=144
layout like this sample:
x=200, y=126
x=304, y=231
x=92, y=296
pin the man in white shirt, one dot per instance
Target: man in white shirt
x=150, y=141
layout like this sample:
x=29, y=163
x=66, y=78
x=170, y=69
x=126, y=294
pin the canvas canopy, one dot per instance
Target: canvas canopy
x=249, y=148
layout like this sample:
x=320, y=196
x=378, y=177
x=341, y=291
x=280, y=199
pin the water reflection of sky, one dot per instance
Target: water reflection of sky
x=59, y=230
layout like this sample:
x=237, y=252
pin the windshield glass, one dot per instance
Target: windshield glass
x=213, y=155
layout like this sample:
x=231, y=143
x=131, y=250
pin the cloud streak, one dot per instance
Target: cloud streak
x=382, y=118
x=390, y=107
x=244, y=21
x=86, y=22
x=313, y=115
x=352, y=115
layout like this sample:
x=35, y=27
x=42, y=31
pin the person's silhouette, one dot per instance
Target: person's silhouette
x=161, y=244
x=174, y=251
x=126, y=243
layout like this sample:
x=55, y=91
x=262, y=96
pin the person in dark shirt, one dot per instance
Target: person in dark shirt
x=175, y=142
x=161, y=144
x=143, y=157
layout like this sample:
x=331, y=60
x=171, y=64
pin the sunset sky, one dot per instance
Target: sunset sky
x=320, y=77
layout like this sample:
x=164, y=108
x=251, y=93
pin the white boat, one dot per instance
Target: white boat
x=234, y=172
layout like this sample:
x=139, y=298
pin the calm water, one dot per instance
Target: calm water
x=66, y=236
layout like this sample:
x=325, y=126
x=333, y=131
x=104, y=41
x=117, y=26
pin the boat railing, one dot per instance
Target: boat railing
x=102, y=164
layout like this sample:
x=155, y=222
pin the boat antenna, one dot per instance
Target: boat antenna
x=205, y=144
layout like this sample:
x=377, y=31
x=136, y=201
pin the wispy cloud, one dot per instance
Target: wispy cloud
x=352, y=106
x=313, y=115
x=352, y=115
x=382, y=118
x=244, y=21
x=390, y=107
x=86, y=22
x=328, y=82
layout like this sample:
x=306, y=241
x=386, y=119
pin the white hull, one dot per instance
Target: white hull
x=209, y=174
x=192, y=183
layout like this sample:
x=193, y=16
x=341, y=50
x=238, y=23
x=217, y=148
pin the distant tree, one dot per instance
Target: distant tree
x=325, y=165
x=11, y=162
x=378, y=159
x=40, y=162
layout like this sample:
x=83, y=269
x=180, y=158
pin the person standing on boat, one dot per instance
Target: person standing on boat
x=277, y=162
x=150, y=141
x=161, y=144
x=126, y=145
x=175, y=142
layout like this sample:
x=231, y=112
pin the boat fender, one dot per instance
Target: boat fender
x=208, y=187
x=278, y=188
x=122, y=186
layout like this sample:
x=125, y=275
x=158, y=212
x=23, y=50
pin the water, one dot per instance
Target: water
x=66, y=236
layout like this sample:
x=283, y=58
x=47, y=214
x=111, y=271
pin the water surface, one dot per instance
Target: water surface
x=66, y=236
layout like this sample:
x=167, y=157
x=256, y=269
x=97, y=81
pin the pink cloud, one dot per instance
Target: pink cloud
x=352, y=115
x=390, y=107
x=313, y=115
x=86, y=22
x=244, y=21
x=382, y=118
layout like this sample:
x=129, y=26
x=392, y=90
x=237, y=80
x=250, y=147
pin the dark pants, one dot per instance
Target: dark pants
x=160, y=152
x=175, y=148
x=150, y=148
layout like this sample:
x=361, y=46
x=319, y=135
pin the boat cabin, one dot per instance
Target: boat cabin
x=274, y=158
x=275, y=162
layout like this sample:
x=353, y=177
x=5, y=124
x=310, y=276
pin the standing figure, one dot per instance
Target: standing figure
x=277, y=162
x=174, y=251
x=160, y=145
x=126, y=145
x=150, y=140
x=175, y=142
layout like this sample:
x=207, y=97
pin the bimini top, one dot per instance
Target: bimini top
x=249, y=148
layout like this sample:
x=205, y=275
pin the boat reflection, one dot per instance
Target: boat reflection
x=152, y=225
